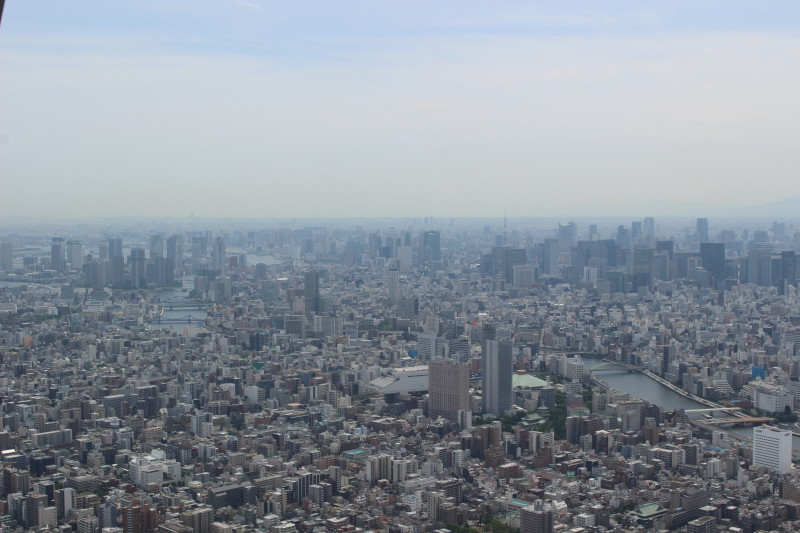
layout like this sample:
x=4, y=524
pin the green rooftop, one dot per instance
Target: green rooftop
x=526, y=380
x=648, y=511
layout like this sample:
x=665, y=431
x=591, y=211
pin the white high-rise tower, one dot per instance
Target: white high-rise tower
x=772, y=447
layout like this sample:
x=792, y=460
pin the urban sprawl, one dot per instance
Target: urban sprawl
x=401, y=376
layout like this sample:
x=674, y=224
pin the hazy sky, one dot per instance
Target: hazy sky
x=343, y=108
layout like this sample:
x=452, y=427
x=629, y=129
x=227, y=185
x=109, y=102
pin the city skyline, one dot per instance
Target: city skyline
x=222, y=110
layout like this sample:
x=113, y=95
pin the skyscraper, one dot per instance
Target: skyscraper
x=175, y=248
x=448, y=389
x=311, y=291
x=702, y=229
x=567, y=231
x=772, y=448
x=496, y=367
x=6, y=256
x=218, y=255
x=115, y=248
x=138, y=265
x=649, y=227
x=156, y=246
x=57, y=255
x=394, y=285
x=550, y=257
x=430, y=247
x=102, y=251
x=74, y=255
x=713, y=256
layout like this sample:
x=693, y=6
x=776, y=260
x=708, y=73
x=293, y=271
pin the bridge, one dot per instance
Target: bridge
x=188, y=319
x=731, y=409
x=171, y=306
x=744, y=420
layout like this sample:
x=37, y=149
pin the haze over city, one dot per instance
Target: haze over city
x=410, y=267
x=268, y=109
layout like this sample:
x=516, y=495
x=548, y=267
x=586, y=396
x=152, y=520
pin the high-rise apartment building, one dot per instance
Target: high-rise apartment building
x=175, y=248
x=138, y=269
x=218, y=255
x=198, y=519
x=35, y=504
x=156, y=246
x=393, y=281
x=448, y=389
x=115, y=248
x=772, y=448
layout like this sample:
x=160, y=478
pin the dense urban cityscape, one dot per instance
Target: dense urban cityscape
x=401, y=376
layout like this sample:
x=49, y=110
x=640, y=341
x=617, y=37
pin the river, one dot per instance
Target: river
x=642, y=387
x=178, y=295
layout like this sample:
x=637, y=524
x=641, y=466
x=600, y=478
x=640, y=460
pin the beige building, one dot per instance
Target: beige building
x=448, y=389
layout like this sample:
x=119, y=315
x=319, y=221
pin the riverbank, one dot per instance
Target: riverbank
x=652, y=388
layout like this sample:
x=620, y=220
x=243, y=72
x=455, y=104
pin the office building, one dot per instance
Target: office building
x=430, y=247
x=551, y=257
x=712, y=254
x=567, y=232
x=448, y=389
x=496, y=368
x=58, y=260
x=772, y=448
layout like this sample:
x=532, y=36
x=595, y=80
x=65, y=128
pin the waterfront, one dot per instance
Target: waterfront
x=640, y=386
